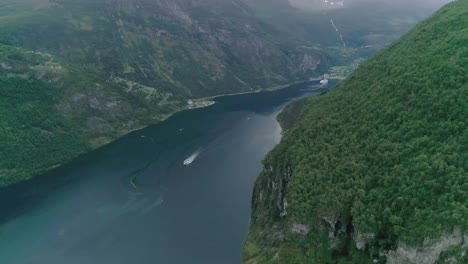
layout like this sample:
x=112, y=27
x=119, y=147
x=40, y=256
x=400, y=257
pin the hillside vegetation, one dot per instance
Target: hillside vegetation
x=376, y=170
x=75, y=75
x=84, y=72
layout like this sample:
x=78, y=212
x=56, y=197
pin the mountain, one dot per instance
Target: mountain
x=375, y=170
x=361, y=23
x=346, y=31
x=75, y=75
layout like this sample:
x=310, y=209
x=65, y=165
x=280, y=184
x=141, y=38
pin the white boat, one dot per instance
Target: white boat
x=190, y=159
x=324, y=82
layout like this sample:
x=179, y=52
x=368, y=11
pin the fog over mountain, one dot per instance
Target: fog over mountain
x=316, y=5
x=345, y=23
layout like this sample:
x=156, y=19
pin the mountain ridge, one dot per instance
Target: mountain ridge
x=117, y=65
x=114, y=66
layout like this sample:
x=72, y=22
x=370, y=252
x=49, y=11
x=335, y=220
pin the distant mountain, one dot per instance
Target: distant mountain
x=320, y=5
x=76, y=74
x=155, y=43
x=370, y=23
x=376, y=170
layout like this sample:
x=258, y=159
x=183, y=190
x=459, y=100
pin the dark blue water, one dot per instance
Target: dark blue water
x=134, y=202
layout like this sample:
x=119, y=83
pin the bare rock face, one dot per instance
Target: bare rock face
x=361, y=238
x=300, y=229
x=431, y=250
x=307, y=62
x=336, y=227
x=282, y=202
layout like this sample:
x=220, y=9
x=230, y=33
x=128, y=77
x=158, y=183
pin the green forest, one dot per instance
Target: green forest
x=32, y=132
x=75, y=75
x=109, y=67
x=382, y=158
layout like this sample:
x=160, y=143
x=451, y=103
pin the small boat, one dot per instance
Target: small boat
x=190, y=159
x=324, y=82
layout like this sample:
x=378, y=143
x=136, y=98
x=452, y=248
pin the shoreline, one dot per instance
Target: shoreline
x=202, y=102
x=268, y=89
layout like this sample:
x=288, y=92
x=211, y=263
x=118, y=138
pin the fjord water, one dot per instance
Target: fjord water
x=134, y=201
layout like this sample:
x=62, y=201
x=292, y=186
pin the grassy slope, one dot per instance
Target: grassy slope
x=384, y=153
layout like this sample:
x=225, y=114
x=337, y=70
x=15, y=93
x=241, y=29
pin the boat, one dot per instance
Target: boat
x=190, y=159
x=324, y=82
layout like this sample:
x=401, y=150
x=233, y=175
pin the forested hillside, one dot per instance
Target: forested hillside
x=376, y=170
x=84, y=72
x=77, y=74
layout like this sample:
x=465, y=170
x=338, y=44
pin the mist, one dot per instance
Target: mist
x=317, y=5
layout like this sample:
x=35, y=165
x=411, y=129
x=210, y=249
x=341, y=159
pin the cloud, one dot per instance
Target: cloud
x=316, y=5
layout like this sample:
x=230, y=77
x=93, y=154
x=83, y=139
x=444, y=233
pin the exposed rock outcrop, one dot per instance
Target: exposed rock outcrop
x=430, y=251
x=282, y=202
x=300, y=229
x=337, y=228
x=362, y=238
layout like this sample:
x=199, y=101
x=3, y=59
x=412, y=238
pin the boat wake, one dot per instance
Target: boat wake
x=192, y=158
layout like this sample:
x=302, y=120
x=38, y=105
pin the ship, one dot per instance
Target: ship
x=191, y=158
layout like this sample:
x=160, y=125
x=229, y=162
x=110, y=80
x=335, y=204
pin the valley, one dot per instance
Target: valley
x=109, y=67
x=134, y=131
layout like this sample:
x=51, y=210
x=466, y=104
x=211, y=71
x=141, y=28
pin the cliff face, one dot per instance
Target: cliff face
x=433, y=250
x=375, y=170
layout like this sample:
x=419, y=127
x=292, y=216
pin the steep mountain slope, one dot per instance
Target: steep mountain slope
x=163, y=44
x=349, y=31
x=368, y=24
x=77, y=74
x=376, y=170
